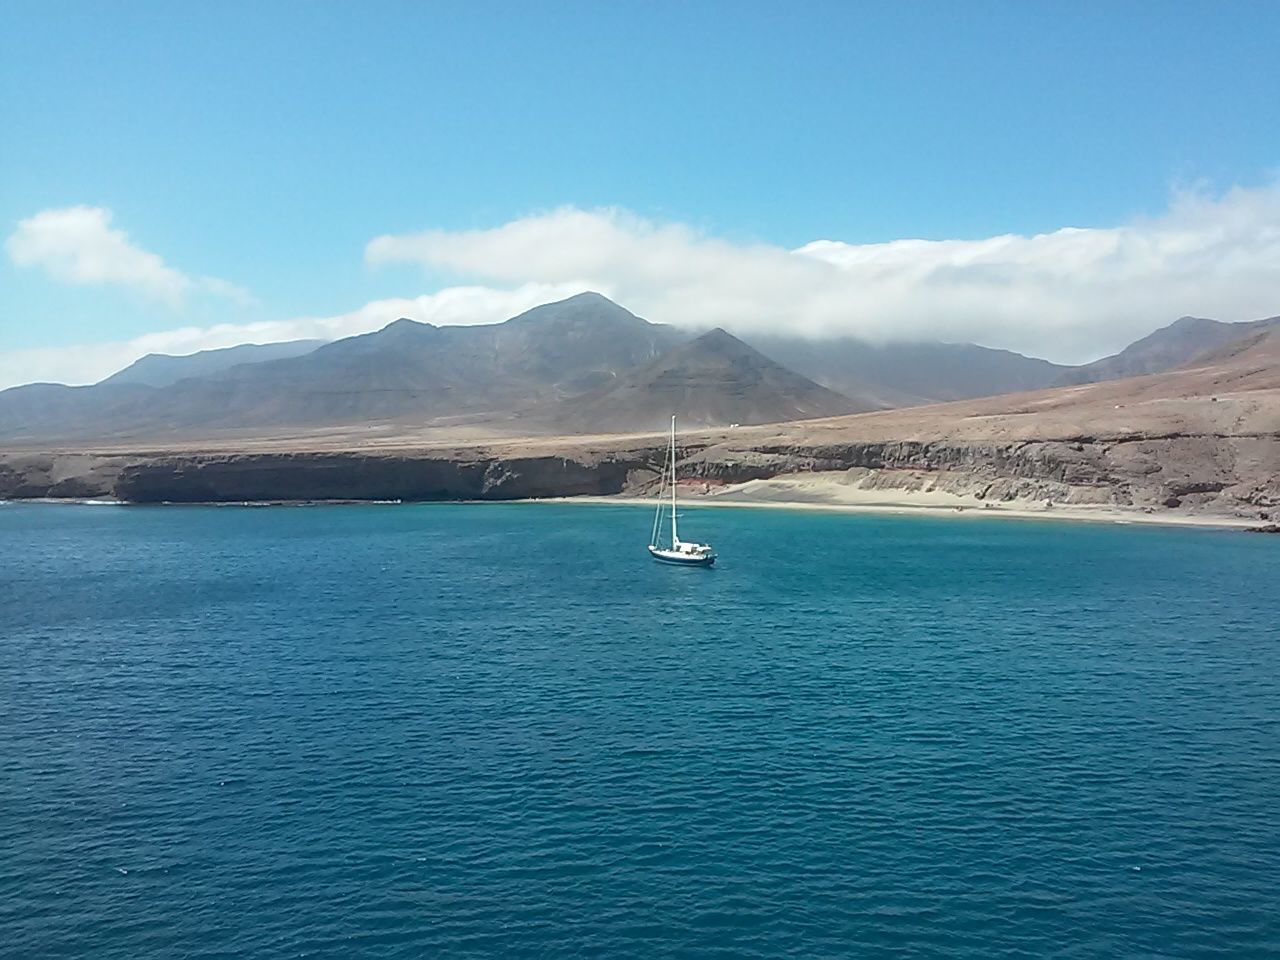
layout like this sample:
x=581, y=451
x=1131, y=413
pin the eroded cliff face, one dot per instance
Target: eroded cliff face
x=221, y=478
x=336, y=476
x=1230, y=476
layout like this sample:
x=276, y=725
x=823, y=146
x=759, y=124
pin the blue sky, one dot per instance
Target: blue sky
x=266, y=145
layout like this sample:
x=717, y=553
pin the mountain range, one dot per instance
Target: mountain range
x=883, y=376
x=581, y=365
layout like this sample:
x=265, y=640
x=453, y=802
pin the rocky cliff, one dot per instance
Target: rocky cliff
x=295, y=476
x=1218, y=475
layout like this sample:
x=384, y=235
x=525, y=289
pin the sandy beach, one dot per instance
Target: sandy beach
x=834, y=491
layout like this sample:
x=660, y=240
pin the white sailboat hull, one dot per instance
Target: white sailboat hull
x=683, y=558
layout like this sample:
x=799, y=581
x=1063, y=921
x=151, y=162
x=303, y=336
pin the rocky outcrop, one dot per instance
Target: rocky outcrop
x=58, y=475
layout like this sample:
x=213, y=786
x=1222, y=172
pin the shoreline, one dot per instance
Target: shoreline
x=904, y=507
x=828, y=497
x=1118, y=518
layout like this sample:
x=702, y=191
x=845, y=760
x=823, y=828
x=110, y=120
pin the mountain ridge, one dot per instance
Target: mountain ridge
x=163, y=369
x=908, y=374
x=566, y=365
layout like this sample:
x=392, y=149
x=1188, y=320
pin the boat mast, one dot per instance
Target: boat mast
x=675, y=539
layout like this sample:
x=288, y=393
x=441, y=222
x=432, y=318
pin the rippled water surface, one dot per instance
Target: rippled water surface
x=502, y=731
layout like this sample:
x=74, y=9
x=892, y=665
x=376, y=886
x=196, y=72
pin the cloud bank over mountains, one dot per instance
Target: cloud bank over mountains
x=1070, y=295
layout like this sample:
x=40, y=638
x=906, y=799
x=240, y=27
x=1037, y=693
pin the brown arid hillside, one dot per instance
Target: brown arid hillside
x=1233, y=392
x=1181, y=343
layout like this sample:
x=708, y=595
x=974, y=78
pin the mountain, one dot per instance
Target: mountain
x=407, y=370
x=417, y=370
x=909, y=374
x=1168, y=348
x=584, y=364
x=714, y=380
x=162, y=369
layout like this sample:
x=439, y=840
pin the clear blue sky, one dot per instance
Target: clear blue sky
x=266, y=143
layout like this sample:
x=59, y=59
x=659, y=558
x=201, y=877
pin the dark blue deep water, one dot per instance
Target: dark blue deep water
x=502, y=731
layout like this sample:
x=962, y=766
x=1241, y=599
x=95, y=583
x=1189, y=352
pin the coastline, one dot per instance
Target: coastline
x=822, y=494
x=1117, y=517
x=887, y=492
x=1205, y=479
x=901, y=508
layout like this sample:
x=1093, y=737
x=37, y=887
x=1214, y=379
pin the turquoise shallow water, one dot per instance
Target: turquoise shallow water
x=502, y=731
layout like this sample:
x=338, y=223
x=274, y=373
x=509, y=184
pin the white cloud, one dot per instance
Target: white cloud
x=78, y=245
x=89, y=363
x=1070, y=295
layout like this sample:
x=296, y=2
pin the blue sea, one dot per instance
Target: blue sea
x=503, y=731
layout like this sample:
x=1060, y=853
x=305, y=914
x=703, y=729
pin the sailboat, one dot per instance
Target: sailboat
x=680, y=552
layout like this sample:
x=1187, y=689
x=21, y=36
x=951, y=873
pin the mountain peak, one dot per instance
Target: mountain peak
x=582, y=309
x=589, y=296
x=1189, y=322
x=404, y=324
x=719, y=336
x=713, y=380
x=719, y=342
